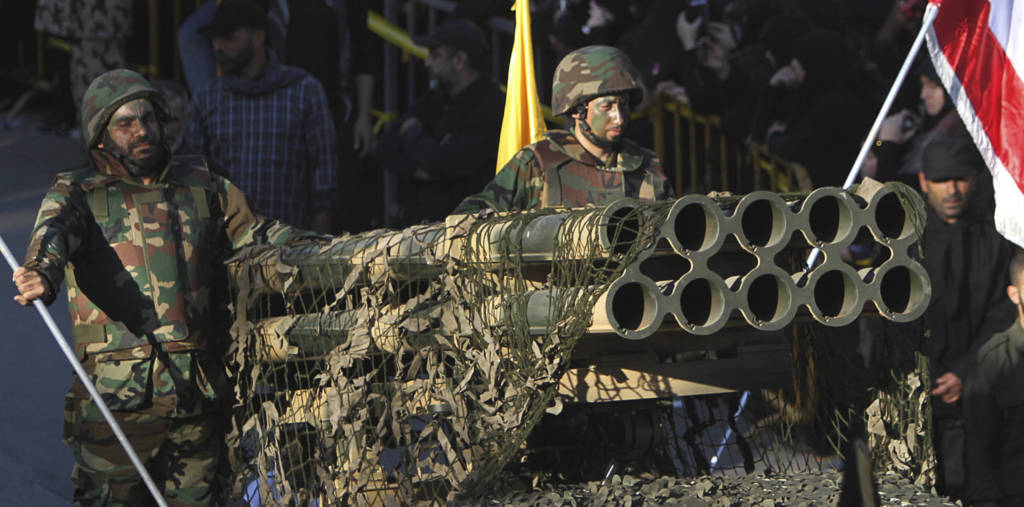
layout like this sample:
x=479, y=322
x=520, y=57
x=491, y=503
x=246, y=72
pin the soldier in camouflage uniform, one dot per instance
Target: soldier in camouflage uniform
x=138, y=237
x=591, y=163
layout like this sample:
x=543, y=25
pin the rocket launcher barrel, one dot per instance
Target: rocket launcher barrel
x=632, y=307
x=421, y=252
x=612, y=229
x=690, y=282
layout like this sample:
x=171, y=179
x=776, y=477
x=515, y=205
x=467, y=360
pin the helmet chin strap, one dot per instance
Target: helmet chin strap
x=581, y=110
x=588, y=132
x=134, y=167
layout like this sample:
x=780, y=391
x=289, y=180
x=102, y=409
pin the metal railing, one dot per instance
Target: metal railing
x=700, y=157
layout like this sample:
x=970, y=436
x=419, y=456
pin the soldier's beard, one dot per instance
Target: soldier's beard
x=604, y=144
x=139, y=166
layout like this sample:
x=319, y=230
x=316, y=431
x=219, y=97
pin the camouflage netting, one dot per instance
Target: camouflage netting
x=415, y=376
x=873, y=375
x=397, y=367
x=876, y=378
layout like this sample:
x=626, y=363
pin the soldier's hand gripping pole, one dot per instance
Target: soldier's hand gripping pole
x=70, y=355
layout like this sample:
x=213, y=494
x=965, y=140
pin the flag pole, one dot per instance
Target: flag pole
x=926, y=23
x=84, y=377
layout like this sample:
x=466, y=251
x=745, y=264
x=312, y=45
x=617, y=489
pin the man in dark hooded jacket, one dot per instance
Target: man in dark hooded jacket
x=139, y=236
x=263, y=125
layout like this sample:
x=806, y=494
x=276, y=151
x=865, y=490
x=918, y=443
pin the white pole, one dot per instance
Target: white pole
x=728, y=433
x=84, y=377
x=926, y=23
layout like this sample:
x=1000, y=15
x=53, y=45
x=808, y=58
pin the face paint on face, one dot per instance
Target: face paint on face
x=135, y=137
x=608, y=117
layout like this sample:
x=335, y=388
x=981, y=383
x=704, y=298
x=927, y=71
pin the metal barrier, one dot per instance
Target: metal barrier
x=783, y=175
x=700, y=157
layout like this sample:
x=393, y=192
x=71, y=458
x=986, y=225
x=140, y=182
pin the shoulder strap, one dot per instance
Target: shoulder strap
x=194, y=172
x=646, y=186
x=199, y=196
x=551, y=194
x=550, y=160
x=639, y=183
x=98, y=203
x=199, y=190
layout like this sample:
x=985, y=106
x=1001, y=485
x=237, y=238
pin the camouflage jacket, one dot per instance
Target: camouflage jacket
x=85, y=19
x=558, y=171
x=139, y=260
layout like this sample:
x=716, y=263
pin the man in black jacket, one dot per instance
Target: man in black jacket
x=444, y=148
x=967, y=261
x=994, y=410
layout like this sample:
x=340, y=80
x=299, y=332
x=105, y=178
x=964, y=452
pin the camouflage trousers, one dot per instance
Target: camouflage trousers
x=181, y=455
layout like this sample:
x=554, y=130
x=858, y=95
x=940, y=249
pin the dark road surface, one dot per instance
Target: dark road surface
x=34, y=374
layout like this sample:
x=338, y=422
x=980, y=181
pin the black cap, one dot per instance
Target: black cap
x=951, y=159
x=234, y=14
x=459, y=34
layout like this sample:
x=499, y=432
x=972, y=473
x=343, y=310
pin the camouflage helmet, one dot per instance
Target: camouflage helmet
x=591, y=72
x=110, y=91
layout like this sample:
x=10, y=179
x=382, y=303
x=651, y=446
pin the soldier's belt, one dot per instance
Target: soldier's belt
x=110, y=337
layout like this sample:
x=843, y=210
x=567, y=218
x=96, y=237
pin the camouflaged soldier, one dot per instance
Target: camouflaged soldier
x=138, y=236
x=591, y=163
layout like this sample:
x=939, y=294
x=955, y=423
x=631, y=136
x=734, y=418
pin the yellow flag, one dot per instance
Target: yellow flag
x=523, y=122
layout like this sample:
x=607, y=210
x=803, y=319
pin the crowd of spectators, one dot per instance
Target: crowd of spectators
x=798, y=76
x=802, y=77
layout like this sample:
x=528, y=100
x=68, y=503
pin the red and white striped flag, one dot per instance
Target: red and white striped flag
x=977, y=47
